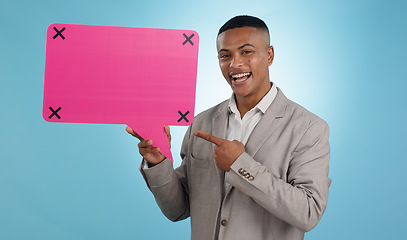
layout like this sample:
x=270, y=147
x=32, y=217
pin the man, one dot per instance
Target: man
x=254, y=166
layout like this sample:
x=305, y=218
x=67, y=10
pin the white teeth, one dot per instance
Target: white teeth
x=240, y=75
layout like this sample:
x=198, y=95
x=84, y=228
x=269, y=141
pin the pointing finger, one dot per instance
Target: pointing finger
x=209, y=137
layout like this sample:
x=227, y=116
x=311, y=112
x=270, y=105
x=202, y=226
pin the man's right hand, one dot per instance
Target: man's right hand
x=146, y=149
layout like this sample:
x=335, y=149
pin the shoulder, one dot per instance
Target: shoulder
x=297, y=111
x=304, y=128
x=299, y=116
x=212, y=112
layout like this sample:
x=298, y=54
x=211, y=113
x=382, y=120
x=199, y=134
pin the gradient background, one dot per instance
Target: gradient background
x=343, y=60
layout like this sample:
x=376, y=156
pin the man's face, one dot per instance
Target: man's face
x=244, y=57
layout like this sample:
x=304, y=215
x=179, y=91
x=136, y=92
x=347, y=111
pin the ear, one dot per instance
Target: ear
x=270, y=55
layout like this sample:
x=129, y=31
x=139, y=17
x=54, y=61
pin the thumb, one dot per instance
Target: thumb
x=168, y=132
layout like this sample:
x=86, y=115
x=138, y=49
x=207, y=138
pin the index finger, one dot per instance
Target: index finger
x=209, y=137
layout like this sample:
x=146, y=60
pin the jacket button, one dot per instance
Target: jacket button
x=240, y=171
x=224, y=222
x=251, y=178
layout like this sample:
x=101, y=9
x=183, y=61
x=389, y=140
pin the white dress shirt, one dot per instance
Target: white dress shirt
x=240, y=128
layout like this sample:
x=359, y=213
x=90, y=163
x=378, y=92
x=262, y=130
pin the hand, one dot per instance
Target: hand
x=146, y=149
x=226, y=152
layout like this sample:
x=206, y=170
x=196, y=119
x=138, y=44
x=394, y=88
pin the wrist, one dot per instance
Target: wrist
x=150, y=164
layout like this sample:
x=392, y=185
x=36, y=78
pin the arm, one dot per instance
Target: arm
x=169, y=189
x=168, y=186
x=299, y=201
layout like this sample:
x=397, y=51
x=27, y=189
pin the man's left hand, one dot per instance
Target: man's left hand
x=226, y=152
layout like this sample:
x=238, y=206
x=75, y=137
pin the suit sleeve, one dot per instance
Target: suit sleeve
x=301, y=200
x=169, y=186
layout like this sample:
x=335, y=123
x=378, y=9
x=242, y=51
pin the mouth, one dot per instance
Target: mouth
x=240, y=77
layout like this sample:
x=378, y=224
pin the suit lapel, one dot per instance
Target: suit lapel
x=219, y=126
x=267, y=124
x=220, y=120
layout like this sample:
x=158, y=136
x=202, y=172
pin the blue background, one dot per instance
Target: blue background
x=343, y=60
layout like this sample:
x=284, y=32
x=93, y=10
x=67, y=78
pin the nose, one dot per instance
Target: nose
x=236, y=62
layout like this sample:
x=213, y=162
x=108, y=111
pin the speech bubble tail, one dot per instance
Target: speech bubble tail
x=157, y=135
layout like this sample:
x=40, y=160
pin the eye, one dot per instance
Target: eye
x=247, y=52
x=223, y=56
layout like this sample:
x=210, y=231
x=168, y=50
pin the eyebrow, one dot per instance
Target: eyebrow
x=245, y=45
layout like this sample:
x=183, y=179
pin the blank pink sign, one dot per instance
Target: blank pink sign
x=145, y=78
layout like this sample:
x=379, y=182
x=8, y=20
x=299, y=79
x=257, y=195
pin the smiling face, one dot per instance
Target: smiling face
x=244, y=57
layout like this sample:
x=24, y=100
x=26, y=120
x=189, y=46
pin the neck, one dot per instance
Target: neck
x=246, y=103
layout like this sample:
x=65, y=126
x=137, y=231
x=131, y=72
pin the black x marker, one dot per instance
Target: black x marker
x=183, y=116
x=59, y=33
x=188, y=39
x=54, y=113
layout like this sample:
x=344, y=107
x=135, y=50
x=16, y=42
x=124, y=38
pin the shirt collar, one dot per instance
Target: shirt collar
x=264, y=103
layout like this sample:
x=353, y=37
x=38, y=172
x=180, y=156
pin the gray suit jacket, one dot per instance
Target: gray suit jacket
x=278, y=187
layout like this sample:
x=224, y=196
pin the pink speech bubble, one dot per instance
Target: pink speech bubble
x=145, y=78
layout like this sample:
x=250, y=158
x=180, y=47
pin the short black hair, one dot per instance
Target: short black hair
x=244, y=21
